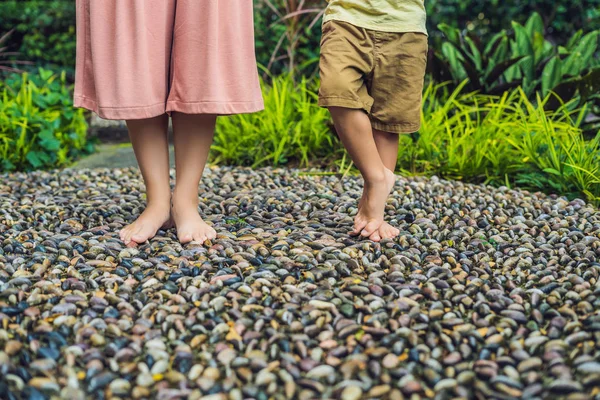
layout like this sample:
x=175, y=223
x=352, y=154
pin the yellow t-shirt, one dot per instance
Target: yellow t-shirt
x=379, y=15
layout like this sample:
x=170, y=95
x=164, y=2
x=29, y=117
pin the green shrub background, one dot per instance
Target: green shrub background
x=490, y=114
x=45, y=29
x=39, y=128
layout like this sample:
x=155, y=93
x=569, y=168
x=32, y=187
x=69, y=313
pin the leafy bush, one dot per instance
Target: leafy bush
x=523, y=58
x=499, y=140
x=293, y=129
x=288, y=35
x=7, y=62
x=562, y=18
x=503, y=140
x=38, y=126
x=44, y=30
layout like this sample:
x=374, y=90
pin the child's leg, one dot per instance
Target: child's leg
x=387, y=147
x=193, y=135
x=150, y=144
x=354, y=129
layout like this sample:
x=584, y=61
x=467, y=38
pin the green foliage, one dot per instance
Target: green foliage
x=523, y=58
x=7, y=62
x=44, y=30
x=502, y=140
x=39, y=129
x=499, y=140
x=293, y=129
x=562, y=18
x=288, y=35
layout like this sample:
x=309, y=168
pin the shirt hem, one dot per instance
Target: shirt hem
x=379, y=28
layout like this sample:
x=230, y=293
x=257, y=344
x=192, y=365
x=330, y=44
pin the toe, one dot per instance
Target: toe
x=211, y=234
x=139, y=238
x=123, y=232
x=386, y=231
x=390, y=234
x=359, y=225
x=198, y=237
x=375, y=236
x=185, y=238
x=370, y=228
x=126, y=237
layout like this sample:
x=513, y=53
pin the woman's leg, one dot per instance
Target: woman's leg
x=193, y=136
x=151, y=147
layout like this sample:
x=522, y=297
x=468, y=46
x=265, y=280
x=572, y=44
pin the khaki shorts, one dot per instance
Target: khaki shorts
x=379, y=72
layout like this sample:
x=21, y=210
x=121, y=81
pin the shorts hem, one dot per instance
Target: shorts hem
x=333, y=101
x=395, y=128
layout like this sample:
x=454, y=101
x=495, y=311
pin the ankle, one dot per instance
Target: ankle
x=375, y=177
x=180, y=198
x=159, y=204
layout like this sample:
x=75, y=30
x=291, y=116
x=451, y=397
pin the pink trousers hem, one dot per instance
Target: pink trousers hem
x=119, y=113
x=128, y=113
x=219, y=108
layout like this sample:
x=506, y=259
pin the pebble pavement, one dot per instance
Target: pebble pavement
x=487, y=294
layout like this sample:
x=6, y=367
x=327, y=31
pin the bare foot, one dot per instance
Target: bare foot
x=190, y=226
x=386, y=231
x=372, y=206
x=146, y=225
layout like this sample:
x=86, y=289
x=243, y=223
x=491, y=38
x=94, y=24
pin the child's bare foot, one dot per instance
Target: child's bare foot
x=385, y=231
x=369, y=219
x=145, y=227
x=190, y=226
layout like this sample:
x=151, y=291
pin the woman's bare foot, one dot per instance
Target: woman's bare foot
x=146, y=225
x=372, y=206
x=190, y=226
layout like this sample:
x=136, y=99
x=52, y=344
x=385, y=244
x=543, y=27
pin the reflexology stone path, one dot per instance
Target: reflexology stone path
x=487, y=293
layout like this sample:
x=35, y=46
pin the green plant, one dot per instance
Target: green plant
x=562, y=18
x=503, y=140
x=557, y=158
x=44, y=30
x=288, y=35
x=7, y=64
x=523, y=58
x=292, y=129
x=38, y=126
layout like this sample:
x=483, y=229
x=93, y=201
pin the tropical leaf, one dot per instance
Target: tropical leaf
x=551, y=75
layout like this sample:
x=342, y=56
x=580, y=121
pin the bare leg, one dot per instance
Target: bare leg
x=354, y=129
x=151, y=147
x=193, y=135
x=387, y=146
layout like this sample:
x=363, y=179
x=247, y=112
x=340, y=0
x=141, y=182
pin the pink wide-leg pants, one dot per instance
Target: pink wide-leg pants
x=142, y=58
